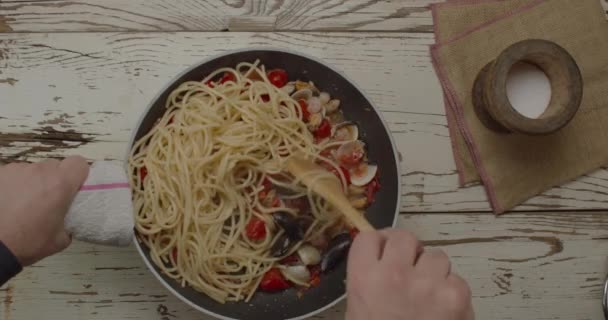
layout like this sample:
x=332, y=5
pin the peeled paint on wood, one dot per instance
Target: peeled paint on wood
x=194, y=15
x=117, y=74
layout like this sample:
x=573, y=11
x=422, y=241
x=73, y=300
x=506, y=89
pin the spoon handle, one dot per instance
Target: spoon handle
x=353, y=216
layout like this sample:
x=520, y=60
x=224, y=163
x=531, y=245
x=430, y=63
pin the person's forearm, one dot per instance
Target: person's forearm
x=9, y=265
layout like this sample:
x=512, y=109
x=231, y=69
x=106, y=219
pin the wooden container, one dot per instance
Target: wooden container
x=493, y=107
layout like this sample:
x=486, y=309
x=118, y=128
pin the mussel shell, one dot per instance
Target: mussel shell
x=336, y=251
x=304, y=222
x=291, y=225
x=281, y=246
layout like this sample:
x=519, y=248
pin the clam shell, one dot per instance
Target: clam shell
x=314, y=105
x=332, y=105
x=358, y=202
x=288, y=88
x=335, y=117
x=351, y=153
x=301, y=85
x=302, y=94
x=345, y=131
x=309, y=255
x=298, y=273
x=324, y=97
x=314, y=121
x=362, y=176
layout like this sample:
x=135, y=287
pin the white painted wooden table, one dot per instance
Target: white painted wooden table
x=76, y=75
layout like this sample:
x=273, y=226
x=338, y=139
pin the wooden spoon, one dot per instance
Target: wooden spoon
x=329, y=189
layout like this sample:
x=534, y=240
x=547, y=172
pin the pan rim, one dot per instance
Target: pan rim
x=151, y=104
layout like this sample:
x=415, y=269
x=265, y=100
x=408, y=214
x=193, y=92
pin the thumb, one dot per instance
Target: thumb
x=470, y=315
x=75, y=169
x=62, y=240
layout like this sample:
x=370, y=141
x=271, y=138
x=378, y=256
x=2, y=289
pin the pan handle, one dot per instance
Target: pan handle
x=605, y=299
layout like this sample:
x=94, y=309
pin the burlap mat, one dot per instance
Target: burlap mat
x=514, y=168
x=451, y=19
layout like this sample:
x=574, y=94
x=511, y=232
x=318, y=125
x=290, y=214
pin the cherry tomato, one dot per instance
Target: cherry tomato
x=274, y=281
x=315, y=275
x=344, y=171
x=276, y=202
x=211, y=84
x=304, y=109
x=291, y=260
x=326, y=153
x=255, y=229
x=371, y=189
x=266, y=186
x=278, y=77
x=228, y=76
x=324, y=130
x=143, y=172
x=262, y=194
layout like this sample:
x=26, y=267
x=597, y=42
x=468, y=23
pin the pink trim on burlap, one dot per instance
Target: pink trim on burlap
x=453, y=132
x=450, y=120
x=503, y=16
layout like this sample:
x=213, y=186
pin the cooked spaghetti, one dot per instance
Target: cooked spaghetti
x=212, y=201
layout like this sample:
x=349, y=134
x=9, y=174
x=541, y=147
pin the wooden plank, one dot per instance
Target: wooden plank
x=519, y=266
x=67, y=93
x=197, y=15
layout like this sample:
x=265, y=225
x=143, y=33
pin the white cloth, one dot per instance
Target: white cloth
x=102, y=212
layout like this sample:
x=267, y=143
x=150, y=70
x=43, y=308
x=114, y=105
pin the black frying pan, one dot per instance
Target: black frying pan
x=382, y=213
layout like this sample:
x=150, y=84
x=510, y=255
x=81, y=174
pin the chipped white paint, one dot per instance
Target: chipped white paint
x=197, y=15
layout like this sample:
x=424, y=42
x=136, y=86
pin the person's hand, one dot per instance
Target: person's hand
x=390, y=277
x=34, y=199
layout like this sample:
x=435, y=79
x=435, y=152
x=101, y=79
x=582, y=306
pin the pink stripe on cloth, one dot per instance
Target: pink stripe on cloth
x=466, y=133
x=105, y=186
x=490, y=22
x=449, y=3
x=457, y=106
x=449, y=115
